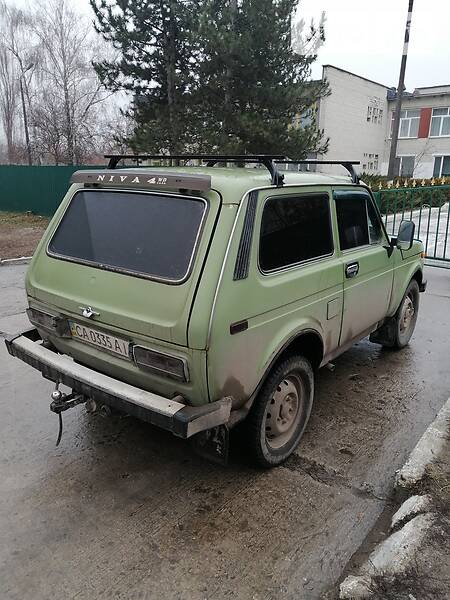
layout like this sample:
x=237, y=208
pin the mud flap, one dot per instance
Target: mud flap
x=213, y=444
x=385, y=335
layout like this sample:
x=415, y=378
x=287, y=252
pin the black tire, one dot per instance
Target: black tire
x=289, y=385
x=410, y=301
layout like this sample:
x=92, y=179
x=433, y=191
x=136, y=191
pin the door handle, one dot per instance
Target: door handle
x=351, y=269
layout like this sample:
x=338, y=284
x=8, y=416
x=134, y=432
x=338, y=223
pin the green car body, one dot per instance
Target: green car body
x=228, y=321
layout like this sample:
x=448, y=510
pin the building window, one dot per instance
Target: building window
x=440, y=122
x=294, y=229
x=370, y=163
x=306, y=119
x=409, y=123
x=441, y=166
x=374, y=115
x=404, y=166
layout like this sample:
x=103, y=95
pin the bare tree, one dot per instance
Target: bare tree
x=52, y=104
x=67, y=48
x=306, y=41
x=8, y=99
x=13, y=51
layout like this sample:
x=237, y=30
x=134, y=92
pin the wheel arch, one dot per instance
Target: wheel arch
x=415, y=272
x=418, y=276
x=307, y=343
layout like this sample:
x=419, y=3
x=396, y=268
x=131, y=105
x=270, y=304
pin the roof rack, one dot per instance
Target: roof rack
x=266, y=160
x=347, y=164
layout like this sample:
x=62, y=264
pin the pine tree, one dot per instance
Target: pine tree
x=156, y=66
x=211, y=75
x=254, y=85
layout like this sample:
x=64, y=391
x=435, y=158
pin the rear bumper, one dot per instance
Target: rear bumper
x=170, y=414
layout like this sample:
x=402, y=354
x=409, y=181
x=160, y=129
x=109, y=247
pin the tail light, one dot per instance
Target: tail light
x=161, y=364
x=55, y=324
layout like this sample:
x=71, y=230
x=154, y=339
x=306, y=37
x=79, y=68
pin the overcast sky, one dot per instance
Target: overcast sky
x=366, y=37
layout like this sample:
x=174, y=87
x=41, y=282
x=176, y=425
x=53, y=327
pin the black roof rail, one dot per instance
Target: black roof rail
x=347, y=164
x=268, y=160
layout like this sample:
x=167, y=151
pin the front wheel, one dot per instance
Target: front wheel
x=406, y=315
x=281, y=411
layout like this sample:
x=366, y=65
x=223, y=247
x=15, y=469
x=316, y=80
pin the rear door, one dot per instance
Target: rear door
x=289, y=281
x=133, y=256
x=366, y=264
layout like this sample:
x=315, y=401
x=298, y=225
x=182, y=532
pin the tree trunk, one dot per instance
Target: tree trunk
x=171, y=65
x=69, y=130
x=10, y=142
x=229, y=73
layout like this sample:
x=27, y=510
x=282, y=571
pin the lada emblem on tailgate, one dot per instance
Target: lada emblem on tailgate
x=88, y=312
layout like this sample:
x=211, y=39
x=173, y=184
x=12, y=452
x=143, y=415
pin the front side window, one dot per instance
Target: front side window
x=440, y=122
x=295, y=229
x=441, y=166
x=358, y=222
x=409, y=123
x=375, y=231
x=148, y=234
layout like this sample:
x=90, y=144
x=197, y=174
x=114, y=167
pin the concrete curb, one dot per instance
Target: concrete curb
x=427, y=451
x=24, y=260
x=413, y=520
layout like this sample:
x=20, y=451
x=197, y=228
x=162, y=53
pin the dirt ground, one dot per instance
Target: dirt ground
x=20, y=234
x=122, y=510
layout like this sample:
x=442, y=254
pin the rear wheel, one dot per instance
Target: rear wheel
x=281, y=411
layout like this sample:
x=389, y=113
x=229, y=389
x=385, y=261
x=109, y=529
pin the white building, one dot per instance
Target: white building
x=357, y=117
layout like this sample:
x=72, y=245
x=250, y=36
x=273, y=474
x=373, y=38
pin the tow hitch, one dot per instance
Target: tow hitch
x=62, y=402
x=213, y=444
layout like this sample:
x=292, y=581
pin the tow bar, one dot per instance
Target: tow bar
x=62, y=402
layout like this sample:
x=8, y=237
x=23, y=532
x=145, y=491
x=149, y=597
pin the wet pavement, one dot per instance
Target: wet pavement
x=123, y=510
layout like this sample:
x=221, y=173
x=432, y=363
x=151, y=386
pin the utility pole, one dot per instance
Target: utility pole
x=401, y=85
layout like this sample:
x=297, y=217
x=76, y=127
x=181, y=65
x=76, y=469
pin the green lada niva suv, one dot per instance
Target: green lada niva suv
x=198, y=297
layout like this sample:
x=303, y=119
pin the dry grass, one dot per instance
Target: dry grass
x=20, y=233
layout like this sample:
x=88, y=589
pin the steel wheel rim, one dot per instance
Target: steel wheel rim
x=284, y=411
x=407, y=315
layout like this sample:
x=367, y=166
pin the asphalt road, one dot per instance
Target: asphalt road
x=122, y=510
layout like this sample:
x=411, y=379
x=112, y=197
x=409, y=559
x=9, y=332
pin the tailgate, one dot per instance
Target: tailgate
x=134, y=257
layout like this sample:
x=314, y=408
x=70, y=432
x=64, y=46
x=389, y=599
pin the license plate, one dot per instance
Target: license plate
x=111, y=343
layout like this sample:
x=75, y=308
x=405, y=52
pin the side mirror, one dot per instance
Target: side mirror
x=405, y=235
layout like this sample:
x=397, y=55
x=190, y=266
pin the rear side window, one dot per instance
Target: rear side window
x=295, y=229
x=146, y=234
x=358, y=222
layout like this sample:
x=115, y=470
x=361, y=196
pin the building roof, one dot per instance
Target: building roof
x=433, y=90
x=355, y=75
x=429, y=90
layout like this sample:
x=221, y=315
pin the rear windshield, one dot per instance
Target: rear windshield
x=145, y=234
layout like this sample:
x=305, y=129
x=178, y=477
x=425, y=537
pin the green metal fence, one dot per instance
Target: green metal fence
x=428, y=207
x=41, y=189
x=35, y=189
